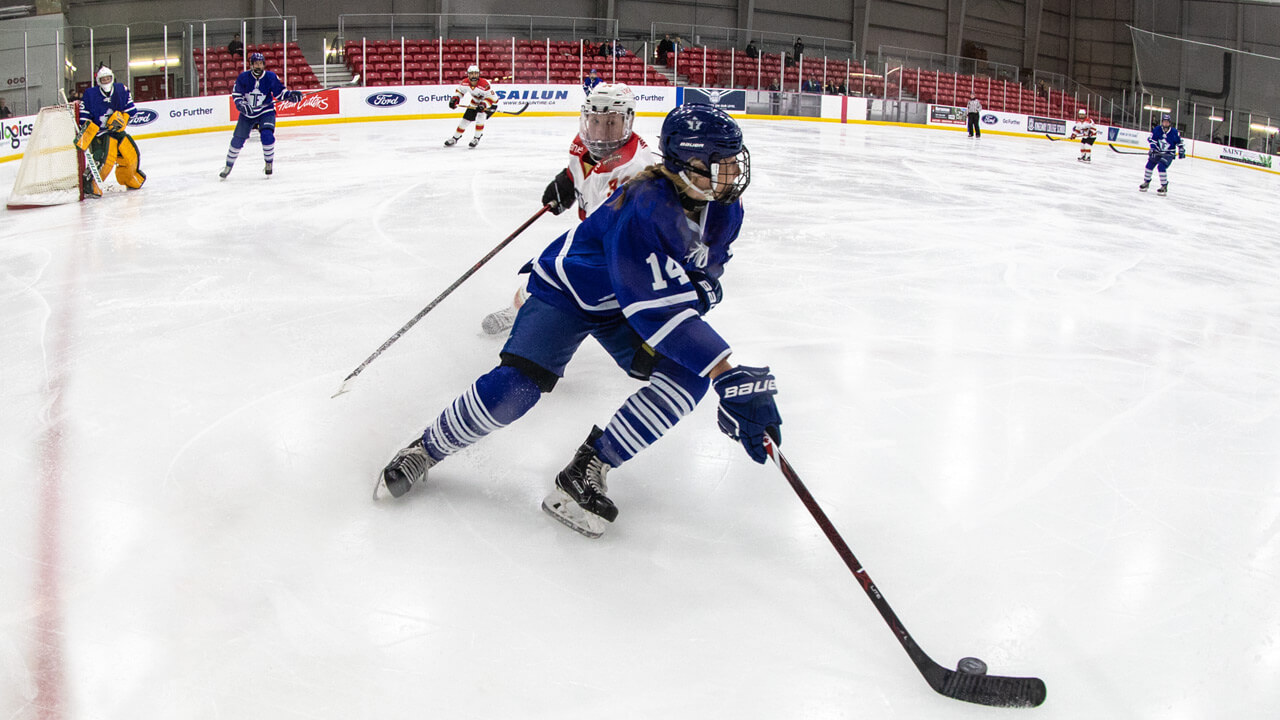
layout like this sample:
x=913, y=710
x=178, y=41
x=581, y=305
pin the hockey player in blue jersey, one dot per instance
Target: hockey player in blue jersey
x=105, y=112
x=1165, y=142
x=255, y=95
x=638, y=275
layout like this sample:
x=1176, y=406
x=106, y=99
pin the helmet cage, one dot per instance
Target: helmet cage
x=604, y=125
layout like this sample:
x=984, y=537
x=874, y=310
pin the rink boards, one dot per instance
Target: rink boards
x=365, y=104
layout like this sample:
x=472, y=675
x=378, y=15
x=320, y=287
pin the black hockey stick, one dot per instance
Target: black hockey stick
x=514, y=112
x=1127, y=152
x=972, y=684
x=422, y=313
x=1052, y=137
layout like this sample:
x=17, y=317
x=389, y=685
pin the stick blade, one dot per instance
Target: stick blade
x=990, y=690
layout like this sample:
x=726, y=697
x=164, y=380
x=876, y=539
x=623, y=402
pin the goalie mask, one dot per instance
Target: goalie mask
x=106, y=80
x=605, y=122
x=257, y=64
x=705, y=141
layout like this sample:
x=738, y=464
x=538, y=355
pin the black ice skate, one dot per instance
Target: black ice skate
x=579, y=498
x=1145, y=184
x=225, y=172
x=267, y=169
x=408, y=468
x=451, y=141
x=474, y=141
x=1163, y=190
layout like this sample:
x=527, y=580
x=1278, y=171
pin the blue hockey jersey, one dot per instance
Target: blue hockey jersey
x=631, y=257
x=97, y=106
x=260, y=93
x=1165, y=141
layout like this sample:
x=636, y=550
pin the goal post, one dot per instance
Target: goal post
x=52, y=166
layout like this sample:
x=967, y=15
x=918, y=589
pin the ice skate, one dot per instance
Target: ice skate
x=579, y=499
x=451, y=141
x=474, y=141
x=1145, y=184
x=408, y=468
x=266, y=169
x=500, y=321
x=226, y=170
x=1163, y=190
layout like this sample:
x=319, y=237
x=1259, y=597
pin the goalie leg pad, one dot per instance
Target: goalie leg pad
x=127, y=172
x=105, y=151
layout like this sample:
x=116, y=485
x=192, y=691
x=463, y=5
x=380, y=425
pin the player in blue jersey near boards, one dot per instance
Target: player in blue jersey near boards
x=1165, y=142
x=638, y=275
x=255, y=95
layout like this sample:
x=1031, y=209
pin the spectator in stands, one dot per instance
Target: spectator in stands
x=5, y=112
x=812, y=86
x=974, y=109
x=797, y=50
x=589, y=82
x=619, y=50
x=605, y=49
x=665, y=47
x=235, y=47
x=752, y=51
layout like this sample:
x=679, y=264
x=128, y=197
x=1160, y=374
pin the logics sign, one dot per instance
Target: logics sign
x=16, y=133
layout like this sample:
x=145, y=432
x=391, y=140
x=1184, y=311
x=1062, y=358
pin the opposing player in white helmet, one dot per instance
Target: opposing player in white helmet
x=604, y=155
x=1088, y=134
x=105, y=112
x=481, y=102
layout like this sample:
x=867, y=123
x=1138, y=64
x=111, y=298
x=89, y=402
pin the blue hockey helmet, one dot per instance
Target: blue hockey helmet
x=256, y=57
x=1165, y=118
x=708, y=136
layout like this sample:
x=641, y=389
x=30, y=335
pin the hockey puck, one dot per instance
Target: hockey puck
x=971, y=666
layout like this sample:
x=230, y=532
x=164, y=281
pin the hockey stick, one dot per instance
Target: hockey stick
x=347, y=380
x=348, y=83
x=515, y=112
x=1052, y=137
x=970, y=684
x=1127, y=152
x=88, y=156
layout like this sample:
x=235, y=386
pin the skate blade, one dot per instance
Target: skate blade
x=562, y=507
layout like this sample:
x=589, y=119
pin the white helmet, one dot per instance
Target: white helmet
x=605, y=122
x=473, y=69
x=106, y=79
x=1082, y=112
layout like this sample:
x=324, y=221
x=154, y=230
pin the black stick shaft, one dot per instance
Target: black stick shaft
x=917, y=655
x=430, y=306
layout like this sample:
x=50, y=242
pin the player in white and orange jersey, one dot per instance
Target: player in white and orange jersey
x=1087, y=132
x=481, y=102
x=605, y=154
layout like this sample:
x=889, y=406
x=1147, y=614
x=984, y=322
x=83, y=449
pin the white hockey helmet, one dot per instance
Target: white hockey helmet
x=106, y=79
x=1082, y=112
x=605, y=122
x=473, y=69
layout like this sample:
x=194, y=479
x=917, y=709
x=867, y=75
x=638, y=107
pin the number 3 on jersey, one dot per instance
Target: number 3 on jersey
x=673, y=268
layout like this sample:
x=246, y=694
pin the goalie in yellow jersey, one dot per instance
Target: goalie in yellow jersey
x=105, y=111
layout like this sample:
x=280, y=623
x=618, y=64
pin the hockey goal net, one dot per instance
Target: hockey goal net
x=52, y=165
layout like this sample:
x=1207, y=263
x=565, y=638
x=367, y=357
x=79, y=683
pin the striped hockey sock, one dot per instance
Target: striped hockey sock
x=232, y=154
x=269, y=153
x=648, y=414
x=497, y=399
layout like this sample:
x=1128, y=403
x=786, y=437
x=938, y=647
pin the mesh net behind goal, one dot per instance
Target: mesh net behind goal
x=49, y=173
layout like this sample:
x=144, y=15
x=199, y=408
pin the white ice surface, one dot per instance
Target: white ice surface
x=1040, y=406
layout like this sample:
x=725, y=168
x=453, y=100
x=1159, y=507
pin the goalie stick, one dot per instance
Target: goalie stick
x=1127, y=152
x=88, y=156
x=980, y=688
x=421, y=313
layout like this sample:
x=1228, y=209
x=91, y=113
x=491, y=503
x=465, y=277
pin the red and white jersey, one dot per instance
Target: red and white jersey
x=1084, y=128
x=478, y=95
x=593, y=184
